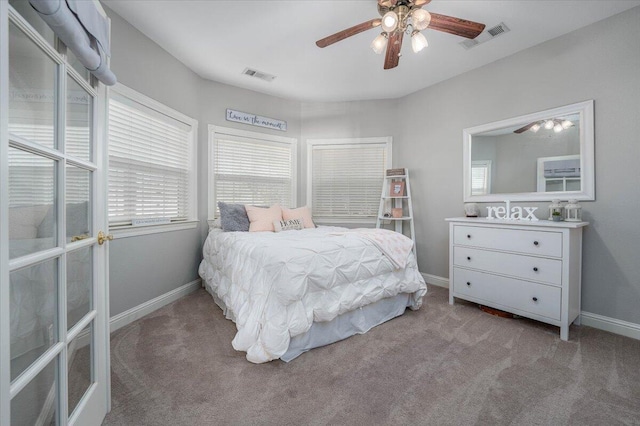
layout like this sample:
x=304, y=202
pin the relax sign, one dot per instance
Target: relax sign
x=511, y=213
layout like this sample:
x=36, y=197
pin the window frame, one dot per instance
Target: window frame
x=214, y=130
x=192, y=221
x=387, y=141
x=486, y=165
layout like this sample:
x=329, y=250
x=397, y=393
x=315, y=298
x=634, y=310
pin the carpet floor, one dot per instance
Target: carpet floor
x=441, y=365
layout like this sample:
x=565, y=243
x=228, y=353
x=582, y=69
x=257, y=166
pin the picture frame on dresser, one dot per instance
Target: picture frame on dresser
x=532, y=269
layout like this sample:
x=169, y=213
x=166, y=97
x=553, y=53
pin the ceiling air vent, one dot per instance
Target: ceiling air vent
x=486, y=35
x=258, y=74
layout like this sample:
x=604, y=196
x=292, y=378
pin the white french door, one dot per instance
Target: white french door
x=54, y=352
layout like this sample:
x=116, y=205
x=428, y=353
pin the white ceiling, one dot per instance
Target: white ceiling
x=219, y=39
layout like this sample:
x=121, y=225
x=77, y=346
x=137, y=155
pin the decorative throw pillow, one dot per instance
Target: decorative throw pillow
x=261, y=219
x=288, y=225
x=302, y=212
x=233, y=217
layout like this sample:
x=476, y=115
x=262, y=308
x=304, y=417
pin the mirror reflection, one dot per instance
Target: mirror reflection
x=539, y=156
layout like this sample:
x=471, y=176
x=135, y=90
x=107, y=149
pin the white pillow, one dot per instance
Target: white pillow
x=301, y=212
x=288, y=225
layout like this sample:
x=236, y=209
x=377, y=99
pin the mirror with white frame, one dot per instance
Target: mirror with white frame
x=535, y=157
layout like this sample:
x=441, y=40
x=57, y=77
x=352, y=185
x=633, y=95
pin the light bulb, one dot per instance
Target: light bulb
x=535, y=128
x=420, y=19
x=389, y=21
x=418, y=41
x=549, y=124
x=557, y=128
x=379, y=43
x=566, y=124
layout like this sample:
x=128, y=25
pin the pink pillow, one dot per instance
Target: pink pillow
x=261, y=219
x=301, y=212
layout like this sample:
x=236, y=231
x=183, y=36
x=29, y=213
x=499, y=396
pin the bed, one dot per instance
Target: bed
x=291, y=291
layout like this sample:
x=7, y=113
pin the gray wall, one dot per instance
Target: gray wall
x=599, y=62
x=142, y=268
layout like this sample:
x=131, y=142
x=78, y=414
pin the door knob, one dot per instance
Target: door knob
x=102, y=237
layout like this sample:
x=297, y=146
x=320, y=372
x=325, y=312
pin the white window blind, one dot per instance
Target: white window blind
x=253, y=170
x=480, y=177
x=346, y=179
x=33, y=175
x=151, y=162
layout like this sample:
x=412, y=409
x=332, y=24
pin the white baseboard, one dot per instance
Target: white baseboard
x=612, y=325
x=436, y=280
x=127, y=317
x=600, y=322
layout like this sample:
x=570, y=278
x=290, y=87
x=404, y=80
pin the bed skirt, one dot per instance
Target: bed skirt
x=348, y=324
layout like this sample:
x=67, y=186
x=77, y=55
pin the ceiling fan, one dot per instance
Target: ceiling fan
x=400, y=17
x=557, y=124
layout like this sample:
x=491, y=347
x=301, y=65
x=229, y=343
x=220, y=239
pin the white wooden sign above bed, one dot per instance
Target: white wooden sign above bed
x=256, y=120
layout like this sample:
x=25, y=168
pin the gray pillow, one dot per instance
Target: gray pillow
x=233, y=217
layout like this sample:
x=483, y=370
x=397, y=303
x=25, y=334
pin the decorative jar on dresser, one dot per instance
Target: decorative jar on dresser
x=529, y=268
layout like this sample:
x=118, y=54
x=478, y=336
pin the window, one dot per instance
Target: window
x=481, y=177
x=152, y=168
x=250, y=168
x=345, y=178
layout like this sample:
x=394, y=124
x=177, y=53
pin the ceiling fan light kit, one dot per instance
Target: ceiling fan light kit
x=400, y=17
x=418, y=41
x=557, y=124
x=379, y=43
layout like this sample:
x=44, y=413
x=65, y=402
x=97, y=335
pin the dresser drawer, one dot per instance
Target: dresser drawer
x=542, y=243
x=508, y=293
x=517, y=265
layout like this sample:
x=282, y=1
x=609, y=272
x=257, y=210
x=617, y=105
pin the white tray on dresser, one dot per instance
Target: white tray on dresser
x=529, y=268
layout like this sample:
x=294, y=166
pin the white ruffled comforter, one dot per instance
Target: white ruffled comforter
x=275, y=285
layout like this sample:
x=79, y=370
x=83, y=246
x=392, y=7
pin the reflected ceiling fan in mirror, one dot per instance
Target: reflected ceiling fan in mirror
x=400, y=17
x=557, y=124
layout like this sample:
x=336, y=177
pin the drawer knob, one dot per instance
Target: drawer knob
x=535, y=299
x=469, y=236
x=535, y=269
x=468, y=283
x=535, y=243
x=468, y=257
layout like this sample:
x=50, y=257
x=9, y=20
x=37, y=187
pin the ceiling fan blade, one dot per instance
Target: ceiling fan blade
x=394, y=45
x=341, y=35
x=525, y=128
x=457, y=26
x=420, y=3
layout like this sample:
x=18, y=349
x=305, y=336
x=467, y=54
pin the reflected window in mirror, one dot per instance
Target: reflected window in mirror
x=481, y=177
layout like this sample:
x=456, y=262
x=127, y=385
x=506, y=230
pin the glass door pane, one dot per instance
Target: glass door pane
x=80, y=361
x=32, y=90
x=37, y=403
x=78, y=130
x=79, y=289
x=33, y=308
x=78, y=194
x=32, y=212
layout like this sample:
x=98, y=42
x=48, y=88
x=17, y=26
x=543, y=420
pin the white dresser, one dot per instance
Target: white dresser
x=528, y=268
